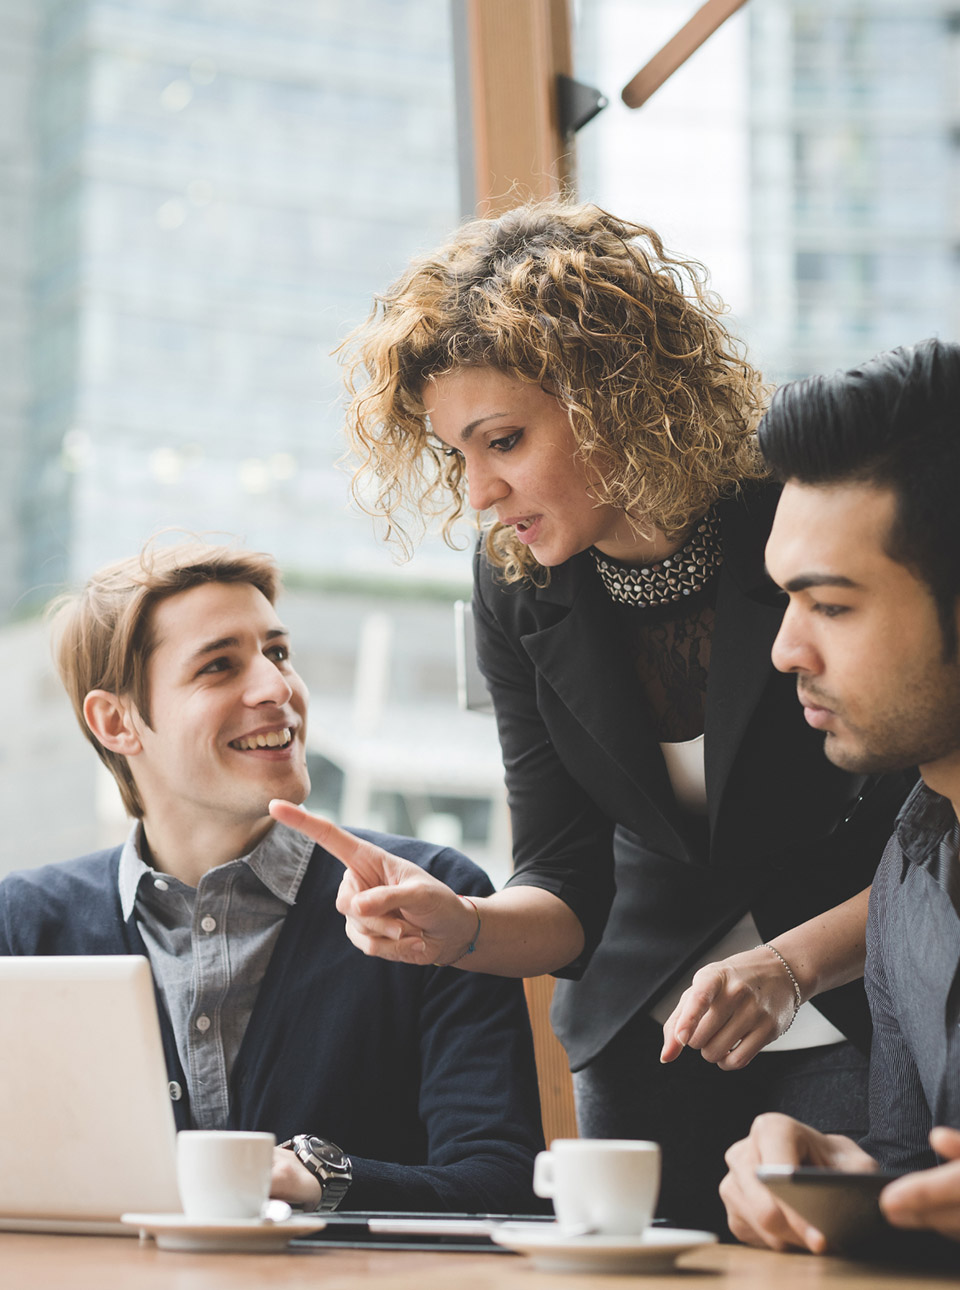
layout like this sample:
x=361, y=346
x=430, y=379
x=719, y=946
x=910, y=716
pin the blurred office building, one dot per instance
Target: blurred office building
x=808, y=154
x=855, y=178
x=199, y=199
x=206, y=195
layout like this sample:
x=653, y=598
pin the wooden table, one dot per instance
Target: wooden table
x=29, y=1262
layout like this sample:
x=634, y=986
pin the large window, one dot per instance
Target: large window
x=199, y=199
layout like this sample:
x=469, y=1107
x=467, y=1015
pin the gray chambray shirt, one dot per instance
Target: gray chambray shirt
x=913, y=983
x=209, y=947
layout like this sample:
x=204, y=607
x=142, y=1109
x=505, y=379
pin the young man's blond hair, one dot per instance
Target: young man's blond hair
x=103, y=634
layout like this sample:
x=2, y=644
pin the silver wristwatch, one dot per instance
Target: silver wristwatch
x=331, y=1167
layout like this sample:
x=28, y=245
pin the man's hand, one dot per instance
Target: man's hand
x=731, y=1010
x=293, y=1182
x=930, y=1198
x=753, y=1212
x=394, y=909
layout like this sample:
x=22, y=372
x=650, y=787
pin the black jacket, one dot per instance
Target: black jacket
x=595, y=821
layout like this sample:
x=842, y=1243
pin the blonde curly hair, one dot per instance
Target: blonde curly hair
x=661, y=399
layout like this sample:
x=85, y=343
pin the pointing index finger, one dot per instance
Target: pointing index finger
x=695, y=1002
x=360, y=857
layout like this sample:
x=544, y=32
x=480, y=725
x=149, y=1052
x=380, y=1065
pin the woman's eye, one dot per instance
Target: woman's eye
x=451, y=452
x=279, y=653
x=507, y=442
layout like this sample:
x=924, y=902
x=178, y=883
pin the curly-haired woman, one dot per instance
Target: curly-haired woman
x=558, y=370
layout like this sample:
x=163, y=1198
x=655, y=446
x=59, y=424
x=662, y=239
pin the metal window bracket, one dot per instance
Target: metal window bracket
x=577, y=103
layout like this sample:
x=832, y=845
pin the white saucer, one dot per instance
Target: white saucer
x=235, y=1235
x=552, y=1250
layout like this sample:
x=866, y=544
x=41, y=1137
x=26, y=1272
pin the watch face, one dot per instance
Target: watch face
x=327, y=1152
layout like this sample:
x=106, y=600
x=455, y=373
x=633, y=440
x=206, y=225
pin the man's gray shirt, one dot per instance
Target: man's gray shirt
x=209, y=947
x=913, y=983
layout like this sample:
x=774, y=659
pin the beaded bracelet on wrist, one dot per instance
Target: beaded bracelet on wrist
x=798, y=996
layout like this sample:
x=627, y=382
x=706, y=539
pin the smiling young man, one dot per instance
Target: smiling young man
x=866, y=544
x=179, y=670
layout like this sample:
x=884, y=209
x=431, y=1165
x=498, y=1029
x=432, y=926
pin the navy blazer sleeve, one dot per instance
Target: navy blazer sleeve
x=562, y=841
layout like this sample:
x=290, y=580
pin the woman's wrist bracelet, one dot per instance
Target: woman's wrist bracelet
x=789, y=971
x=476, y=936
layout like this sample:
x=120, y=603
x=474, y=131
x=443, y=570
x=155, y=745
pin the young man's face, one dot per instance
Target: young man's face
x=228, y=712
x=861, y=633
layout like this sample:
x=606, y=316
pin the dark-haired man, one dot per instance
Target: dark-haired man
x=866, y=544
x=392, y=1088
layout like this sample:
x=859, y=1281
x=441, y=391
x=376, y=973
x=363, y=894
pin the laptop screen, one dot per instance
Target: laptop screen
x=86, y=1125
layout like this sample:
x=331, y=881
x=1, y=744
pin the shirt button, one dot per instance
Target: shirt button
x=203, y=1023
x=175, y=1091
x=208, y=924
x=161, y=885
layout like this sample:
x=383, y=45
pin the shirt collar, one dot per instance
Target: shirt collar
x=929, y=834
x=131, y=870
x=279, y=860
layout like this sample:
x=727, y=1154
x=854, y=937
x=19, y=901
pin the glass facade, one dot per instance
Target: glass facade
x=221, y=188
x=18, y=166
x=808, y=153
x=199, y=199
x=855, y=223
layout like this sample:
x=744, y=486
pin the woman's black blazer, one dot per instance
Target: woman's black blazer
x=595, y=821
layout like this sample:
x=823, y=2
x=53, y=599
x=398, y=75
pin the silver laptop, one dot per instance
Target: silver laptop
x=86, y=1124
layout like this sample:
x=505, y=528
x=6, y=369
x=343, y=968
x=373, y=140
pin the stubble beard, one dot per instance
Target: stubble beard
x=915, y=733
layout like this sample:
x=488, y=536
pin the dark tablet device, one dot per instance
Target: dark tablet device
x=845, y=1208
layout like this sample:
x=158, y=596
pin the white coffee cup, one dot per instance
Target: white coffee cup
x=607, y=1185
x=222, y=1173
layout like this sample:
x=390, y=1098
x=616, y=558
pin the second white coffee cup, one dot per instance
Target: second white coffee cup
x=607, y=1185
x=224, y=1174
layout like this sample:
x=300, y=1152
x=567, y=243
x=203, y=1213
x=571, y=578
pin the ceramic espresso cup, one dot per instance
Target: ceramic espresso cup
x=607, y=1185
x=223, y=1174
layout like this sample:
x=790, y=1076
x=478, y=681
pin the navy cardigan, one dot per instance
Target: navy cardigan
x=425, y=1076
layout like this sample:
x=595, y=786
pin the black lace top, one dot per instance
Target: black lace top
x=670, y=645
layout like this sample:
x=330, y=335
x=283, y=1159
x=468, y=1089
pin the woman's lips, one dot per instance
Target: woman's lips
x=527, y=529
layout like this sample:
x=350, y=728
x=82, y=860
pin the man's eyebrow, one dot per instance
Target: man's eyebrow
x=231, y=642
x=804, y=581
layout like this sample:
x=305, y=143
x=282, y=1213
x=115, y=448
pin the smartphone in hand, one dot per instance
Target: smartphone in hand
x=845, y=1208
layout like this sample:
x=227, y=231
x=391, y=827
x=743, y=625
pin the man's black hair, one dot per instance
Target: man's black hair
x=894, y=423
